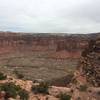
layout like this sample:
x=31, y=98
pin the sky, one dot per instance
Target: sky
x=50, y=16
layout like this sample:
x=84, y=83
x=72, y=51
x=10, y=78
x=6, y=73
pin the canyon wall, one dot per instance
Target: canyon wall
x=70, y=44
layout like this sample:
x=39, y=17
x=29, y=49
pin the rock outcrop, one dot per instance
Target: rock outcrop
x=87, y=76
x=90, y=63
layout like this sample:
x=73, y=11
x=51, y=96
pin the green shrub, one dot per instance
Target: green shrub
x=23, y=95
x=11, y=89
x=63, y=96
x=41, y=88
x=2, y=76
x=83, y=88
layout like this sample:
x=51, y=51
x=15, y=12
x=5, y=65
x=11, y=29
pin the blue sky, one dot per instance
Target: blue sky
x=54, y=16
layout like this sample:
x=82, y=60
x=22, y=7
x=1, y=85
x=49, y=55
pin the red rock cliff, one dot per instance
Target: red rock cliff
x=71, y=44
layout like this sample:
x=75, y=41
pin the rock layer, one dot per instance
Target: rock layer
x=72, y=44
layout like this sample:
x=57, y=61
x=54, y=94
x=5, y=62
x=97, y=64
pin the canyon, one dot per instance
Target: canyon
x=71, y=43
x=46, y=56
x=84, y=85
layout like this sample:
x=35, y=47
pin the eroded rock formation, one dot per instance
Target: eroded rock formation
x=44, y=42
x=90, y=63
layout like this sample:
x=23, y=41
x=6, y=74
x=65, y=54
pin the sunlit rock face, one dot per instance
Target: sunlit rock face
x=70, y=44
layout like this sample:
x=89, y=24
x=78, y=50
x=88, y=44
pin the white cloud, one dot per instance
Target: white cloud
x=81, y=16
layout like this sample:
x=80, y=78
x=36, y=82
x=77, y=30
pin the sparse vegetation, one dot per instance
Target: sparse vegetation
x=11, y=89
x=41, y=88
x=63, y=96
x=23, y=95
x=2, y=76
x=83, y=88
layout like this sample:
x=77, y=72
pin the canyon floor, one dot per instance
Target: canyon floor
x=37, y=65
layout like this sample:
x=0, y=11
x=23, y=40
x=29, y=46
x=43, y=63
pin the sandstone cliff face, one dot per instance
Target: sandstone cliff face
x=46, y=42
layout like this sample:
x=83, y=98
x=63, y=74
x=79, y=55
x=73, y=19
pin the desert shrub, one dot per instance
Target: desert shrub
x=19, y=75
x=2, y=76
x=23, y=95
x=41, y=88
x=11, y=89
x=83, y=88
x=63, y=96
